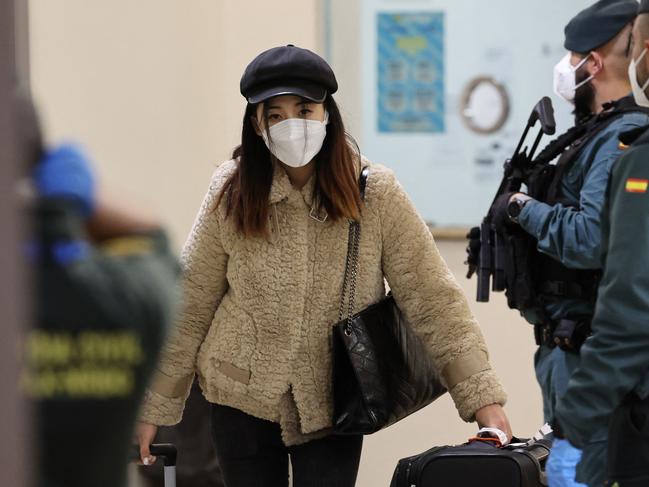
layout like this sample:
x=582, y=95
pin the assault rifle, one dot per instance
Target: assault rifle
x=492, y=258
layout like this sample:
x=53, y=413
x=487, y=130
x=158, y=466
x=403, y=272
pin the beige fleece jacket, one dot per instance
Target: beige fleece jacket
x=259, y=313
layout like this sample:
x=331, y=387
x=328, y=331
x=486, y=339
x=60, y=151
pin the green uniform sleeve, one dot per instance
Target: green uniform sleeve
x=615, y=359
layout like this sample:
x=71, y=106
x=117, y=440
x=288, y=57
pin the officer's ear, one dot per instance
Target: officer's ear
x=595, y=63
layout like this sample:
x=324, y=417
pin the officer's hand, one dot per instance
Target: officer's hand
x=65, y=172
x=493, y=416
x=145, y=434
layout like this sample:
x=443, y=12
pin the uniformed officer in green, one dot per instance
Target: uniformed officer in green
x=614, y=370
x=104, y=291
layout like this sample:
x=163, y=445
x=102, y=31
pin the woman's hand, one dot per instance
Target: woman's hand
x=145, y=434
x=493, y=416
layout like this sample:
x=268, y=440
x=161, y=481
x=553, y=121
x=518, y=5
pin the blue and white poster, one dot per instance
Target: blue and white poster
x=411, y=72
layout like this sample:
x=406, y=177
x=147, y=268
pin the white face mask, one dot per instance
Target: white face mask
x=565, y=82
x=296, y=141
x=639, y=93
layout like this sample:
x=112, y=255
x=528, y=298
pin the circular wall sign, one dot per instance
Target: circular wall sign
x=484, y=105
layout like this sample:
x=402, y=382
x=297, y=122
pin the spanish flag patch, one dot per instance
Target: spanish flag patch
x=637, y=185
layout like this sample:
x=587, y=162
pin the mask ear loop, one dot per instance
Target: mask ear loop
x=581, y=63
x=574, y=70
x=644, y=53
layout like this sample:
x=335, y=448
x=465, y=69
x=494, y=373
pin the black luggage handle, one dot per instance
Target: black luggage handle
x=167, y=451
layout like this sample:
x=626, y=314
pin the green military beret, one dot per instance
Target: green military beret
x=599, y=23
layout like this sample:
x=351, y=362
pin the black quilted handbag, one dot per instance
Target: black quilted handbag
x=381, y=369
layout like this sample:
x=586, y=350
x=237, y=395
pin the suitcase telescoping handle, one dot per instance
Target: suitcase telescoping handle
x=169, y=453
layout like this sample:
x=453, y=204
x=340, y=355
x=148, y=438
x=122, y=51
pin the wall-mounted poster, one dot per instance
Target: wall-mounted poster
x=411, y=72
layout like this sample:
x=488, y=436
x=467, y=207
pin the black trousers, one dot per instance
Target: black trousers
x=251, y=454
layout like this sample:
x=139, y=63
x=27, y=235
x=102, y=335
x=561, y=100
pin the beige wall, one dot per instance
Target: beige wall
x=151, y=88
x=344, y=48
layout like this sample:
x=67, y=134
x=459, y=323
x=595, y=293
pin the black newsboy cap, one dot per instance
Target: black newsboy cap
x=644, y=7
x=598, y=24
x=288, y=70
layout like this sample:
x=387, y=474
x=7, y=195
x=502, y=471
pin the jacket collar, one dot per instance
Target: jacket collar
x=308, y=191
x=282, y=187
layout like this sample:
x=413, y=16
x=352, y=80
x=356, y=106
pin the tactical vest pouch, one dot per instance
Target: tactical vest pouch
x=520, y=284
x=539, y=181
x=628, y=444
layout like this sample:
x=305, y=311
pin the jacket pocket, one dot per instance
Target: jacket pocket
x=233, y=372
x=225, y=356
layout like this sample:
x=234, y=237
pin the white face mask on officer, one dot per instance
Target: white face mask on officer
x=565, y=81
x=296, y=141
x=639, y=93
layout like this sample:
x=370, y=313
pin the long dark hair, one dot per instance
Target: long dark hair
x=247, y=190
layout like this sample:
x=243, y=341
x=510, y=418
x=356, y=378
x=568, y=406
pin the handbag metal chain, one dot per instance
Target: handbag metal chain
x=351, y=274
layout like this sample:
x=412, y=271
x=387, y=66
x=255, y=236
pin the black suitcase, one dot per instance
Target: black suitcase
x=476, y=464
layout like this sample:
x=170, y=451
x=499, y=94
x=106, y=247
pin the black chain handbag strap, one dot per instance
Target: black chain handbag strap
x=351, y=262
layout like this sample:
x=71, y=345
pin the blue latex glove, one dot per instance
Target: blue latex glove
x=65, y=172
x=562, y=464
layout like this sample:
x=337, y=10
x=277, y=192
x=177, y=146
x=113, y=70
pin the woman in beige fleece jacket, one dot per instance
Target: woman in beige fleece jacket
x=263, y=273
